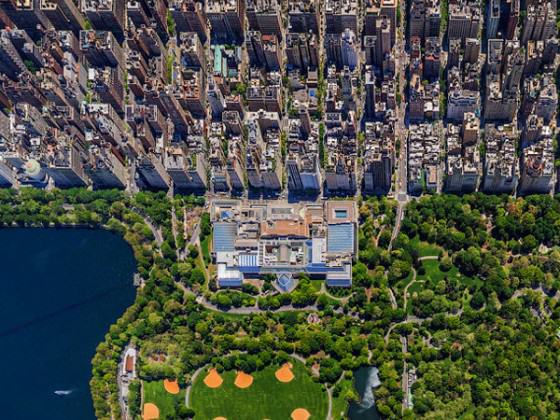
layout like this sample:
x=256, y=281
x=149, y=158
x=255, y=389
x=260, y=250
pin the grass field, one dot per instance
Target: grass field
x=433, y=272
x=425, y=249
x=266, y=398
x=155, y=393
x=340, y=404
x=205, y=248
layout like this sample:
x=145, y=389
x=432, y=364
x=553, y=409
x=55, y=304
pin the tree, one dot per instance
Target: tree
x=446, y=264
x=197, y=276
x=205, y=226
x=529, y=243
x=184, y=413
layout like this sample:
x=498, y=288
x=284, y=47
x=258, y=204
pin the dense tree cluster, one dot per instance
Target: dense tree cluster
x=377, y=218
x=485, y=234
x=488, y=346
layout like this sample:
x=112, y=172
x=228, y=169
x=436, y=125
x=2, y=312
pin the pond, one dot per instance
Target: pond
x=61, y=289
x=365, y=380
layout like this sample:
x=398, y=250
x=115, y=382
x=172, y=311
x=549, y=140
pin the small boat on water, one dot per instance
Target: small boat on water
x=63, y=392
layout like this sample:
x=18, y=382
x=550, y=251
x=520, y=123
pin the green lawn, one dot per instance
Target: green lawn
x=316, y=285
x=425, y=249
x=340, y=404
x=266, y=398
x=200, y=264
x=416, y=287
x=433, y=273
x=166, y=402
x=205, y=248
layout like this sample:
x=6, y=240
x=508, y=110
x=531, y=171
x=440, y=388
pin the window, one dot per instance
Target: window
x=341, y=214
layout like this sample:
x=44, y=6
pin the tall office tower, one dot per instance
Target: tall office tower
x=369, y=109
x=108, y=15
x=383, y=40
x=472, y=50
x=432, y=58
x=227, y=20
x=493, y=16
x=349, y=49
x=264, y=16
x=341, y=15
x=465, y=21
x=302, y=51
x=424, y=19
x=189, y=16
x=63, y=14
x=27, y=15
x=11, y=63
x=303, y=16
x=539, y=22
x=192, y=51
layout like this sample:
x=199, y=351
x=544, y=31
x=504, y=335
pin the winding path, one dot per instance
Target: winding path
x=244, y=310
x=543, y=312
x=155, y=231
x=409, y=319
x=525, y=290
x=405, y=293
x=342, y=300
x=193, y=378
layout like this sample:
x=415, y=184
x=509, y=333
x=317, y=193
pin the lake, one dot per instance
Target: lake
x=61, y=289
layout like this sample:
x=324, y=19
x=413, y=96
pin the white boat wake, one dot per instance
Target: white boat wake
x=64, y=392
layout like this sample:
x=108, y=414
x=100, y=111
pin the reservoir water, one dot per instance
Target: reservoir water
x=61, y=289
x=365, y=380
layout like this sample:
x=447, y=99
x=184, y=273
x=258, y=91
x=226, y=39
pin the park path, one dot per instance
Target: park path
x=409, y=319
x=428, y=257
x=398, y=220
x=392, y=298
x=147, y=219
x=244, y=310
x=525, y=290
x=342, y=300
x=405, y=292
x=193, y=378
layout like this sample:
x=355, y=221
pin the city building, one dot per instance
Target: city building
x=424, y=152
x=501, y=166
x=463, y=165
x=281, y=239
